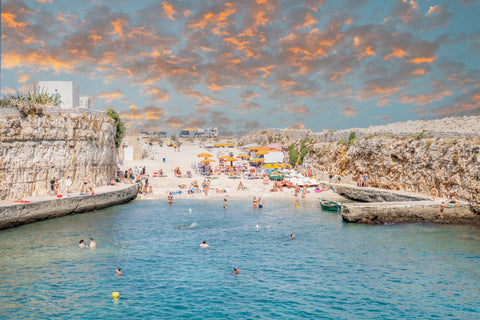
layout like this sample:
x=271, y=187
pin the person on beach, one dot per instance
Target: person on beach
x=92, y=244
x=56, y=188
x=84, y=188
x=170, y=198
x=240, y=186
x=260, y=202
x=81, y=244
x=224, y=203
x=330, y=176
x=204, y=244
x=304, y=191
x=434, y=193
x=442, y=208
x=118, y=272
x=52, y=185
x=68, y=184
x=235, y=270
x=254, y=203
x=297, y=189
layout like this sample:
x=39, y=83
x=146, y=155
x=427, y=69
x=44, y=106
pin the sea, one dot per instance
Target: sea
x=330, y=270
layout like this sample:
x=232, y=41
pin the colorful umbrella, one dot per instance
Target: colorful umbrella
x=204, y=155
x=208, y=160
x=244, y=156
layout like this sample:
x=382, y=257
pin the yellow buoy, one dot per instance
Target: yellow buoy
x=115, y=295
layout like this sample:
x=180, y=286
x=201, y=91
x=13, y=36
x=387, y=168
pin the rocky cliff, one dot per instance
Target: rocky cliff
x=412, y=156
x=57, y=143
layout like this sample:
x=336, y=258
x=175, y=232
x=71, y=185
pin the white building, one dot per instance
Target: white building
x=84, y=102
x=68, y=90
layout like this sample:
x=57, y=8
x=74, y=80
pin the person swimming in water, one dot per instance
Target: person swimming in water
x=292, y=236
x=260, y=202
x=170, y=198
x=119, y=272
x=204, y=244
x=81, y=244
x=224, y=203
x=235, y=270
x=92, y=244
x=254, y=203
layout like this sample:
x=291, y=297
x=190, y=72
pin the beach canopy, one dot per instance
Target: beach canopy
x=225, y=144
x=208, y=160
x=228, y=158
x=273, y=166
x=243, y=156
x=253, y=148
x=204, y=155
x=262, y=152
x=274, y=146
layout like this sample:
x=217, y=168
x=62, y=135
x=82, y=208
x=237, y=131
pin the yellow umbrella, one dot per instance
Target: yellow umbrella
x=268, y=165
x=228, y=158
x=243, y=156
x=204, y=155
x=257, y=160
x=262, y=152
x=253, y=148
x=208, y=160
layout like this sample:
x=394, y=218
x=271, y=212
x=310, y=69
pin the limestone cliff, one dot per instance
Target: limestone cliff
x=412, y=156
x=56, y=143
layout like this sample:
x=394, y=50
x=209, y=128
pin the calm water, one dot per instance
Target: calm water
x=332, y=270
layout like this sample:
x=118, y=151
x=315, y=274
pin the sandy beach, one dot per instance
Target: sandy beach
x=187, y=158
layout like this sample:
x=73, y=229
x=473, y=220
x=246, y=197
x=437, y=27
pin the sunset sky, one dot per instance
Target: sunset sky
x=254, y=64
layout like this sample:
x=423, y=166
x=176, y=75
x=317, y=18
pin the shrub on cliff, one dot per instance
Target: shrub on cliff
x=30, y=103
x=120, y=132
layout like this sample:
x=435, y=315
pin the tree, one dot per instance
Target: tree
x=120, y=132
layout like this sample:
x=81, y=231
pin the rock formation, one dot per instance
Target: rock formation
x=57, y=143
x=412, y=156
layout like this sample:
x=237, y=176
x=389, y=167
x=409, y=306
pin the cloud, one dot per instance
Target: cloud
x=299, y=109
x=349, y=111
x=157, y=94
x=111, y=95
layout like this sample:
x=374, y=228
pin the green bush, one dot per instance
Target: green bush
x=292, y=154
x=120, y=127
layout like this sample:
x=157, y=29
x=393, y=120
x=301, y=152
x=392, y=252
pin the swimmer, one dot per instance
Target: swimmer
x=81, y=244
x=254, y=203
x=92, y=244
x=292, y=236
x=204, y=244
x=224, y=203
x=170, y=198
x=260, y=202
x=235, y=270
x=119, y=272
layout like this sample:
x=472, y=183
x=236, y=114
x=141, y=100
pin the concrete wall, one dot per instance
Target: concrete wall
x=12, y=215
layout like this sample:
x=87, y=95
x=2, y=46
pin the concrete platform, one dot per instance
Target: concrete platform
x=41, y=208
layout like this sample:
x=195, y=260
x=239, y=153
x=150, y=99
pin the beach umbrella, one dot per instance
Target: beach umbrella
x=228, y=158
x=253, y=148
x=204, y=155
x=268, y=165
x=208, y=160
x=262, y=152
x=243, y=156
x=274, y=146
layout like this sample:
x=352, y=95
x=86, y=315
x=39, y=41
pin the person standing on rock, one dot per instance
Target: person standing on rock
x=68, y=184
x=52, y=186
x=84, y=187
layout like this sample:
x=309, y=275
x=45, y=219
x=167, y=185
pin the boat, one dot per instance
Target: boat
x=330, y=205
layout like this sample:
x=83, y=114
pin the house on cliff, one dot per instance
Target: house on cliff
x=69, y=92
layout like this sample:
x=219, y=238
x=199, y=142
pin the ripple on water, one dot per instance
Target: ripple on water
x=331, y=270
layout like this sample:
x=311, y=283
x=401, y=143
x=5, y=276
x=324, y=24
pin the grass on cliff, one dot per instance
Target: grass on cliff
x=30, y=102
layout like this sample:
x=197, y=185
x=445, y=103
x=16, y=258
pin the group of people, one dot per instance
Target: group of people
x=361, y=180
x=334, y=177
x=55, y=186
x=257, y=204
x=92, y=244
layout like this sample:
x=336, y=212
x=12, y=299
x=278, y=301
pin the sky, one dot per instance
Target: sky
x=254, y=64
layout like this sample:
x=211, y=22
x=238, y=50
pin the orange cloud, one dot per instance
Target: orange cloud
x=9, y=19
x=36, y=61
x=214, y=19
x=424, y=99
x=23, y=78
x=118, y=26
x=419, y=71
x=349, y=111
x=423, y=60
x=397, y=53
x=111, y=95
x=133, y=113
x=168, y=10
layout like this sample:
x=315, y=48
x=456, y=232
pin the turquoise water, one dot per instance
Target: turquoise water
x=332, y=270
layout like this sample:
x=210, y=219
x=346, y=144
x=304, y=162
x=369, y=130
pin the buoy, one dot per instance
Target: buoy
x=296, y=205
x=190, y=210
x=257, y=226
x=115, y=295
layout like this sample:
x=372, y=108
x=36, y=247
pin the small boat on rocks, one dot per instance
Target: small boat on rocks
x=330, y=205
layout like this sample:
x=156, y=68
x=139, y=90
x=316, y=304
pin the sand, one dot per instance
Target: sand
x=187, y=157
